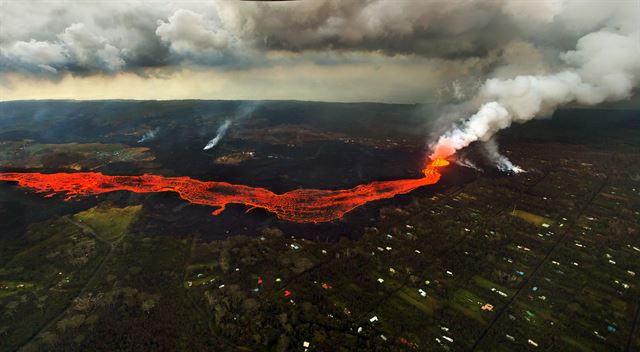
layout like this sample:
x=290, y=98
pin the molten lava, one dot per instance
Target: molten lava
x=300, y=205
x=437, y=163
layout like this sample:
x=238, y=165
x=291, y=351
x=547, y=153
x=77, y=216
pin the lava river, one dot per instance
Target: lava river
x=300, y=205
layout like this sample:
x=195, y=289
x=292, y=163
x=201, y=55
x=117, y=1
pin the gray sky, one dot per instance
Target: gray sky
x=387, y=51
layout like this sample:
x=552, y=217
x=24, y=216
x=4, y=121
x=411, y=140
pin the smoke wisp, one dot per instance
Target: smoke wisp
x=245, y=110
x=149, y=135
x=464, y=162
x=222, y=130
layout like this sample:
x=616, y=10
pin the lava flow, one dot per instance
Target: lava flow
x=300, y=205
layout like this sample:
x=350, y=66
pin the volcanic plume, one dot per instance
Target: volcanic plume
x=604, y=67
x=300, y=205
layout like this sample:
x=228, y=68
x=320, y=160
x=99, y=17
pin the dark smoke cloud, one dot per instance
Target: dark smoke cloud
x=54, y=38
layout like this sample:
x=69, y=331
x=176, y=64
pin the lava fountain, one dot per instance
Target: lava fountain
x=300, y=205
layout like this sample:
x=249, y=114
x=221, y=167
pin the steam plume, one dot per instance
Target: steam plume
x=245, y=110
x=604, y=67
x=464, y=162
x=502, y=162
x=222, y=130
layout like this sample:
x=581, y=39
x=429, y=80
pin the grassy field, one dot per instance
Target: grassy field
x=469, y=304
x=531, y=218
x=110, y=223
x=424, y=304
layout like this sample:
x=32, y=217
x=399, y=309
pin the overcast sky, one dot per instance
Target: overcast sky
x=387, y=51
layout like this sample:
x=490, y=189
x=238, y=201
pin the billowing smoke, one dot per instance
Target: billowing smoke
x=604, y=67
x=149, y=135
x=222, y=130
x=109, y=37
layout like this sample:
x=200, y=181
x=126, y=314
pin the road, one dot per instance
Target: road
x=536, y=270
x=86, y=228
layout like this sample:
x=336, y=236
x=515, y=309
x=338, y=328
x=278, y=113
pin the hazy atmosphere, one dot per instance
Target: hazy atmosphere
x=382, y=51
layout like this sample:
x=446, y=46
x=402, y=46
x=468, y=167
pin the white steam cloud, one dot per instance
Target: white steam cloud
x=222, y=130
x=605, y=66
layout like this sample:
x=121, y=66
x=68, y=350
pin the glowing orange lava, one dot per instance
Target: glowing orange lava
x=438, y=163
x=300, y=205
